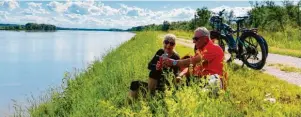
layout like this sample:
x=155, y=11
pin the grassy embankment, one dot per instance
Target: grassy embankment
x=101, y=90
x=285, y=43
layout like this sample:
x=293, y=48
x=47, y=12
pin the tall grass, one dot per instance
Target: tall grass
x=101, y=90
x=287, y=42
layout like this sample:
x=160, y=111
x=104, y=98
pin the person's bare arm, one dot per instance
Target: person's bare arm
x=183, y=62
x=186, y=62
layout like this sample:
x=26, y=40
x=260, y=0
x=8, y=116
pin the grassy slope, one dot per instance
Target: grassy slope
x=286, y=43
x=101, y=90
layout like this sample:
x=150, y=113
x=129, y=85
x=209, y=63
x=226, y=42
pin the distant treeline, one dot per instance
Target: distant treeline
x=47, y=27
x=265, y=15
x=86, y=29
x=29, y=27
x=42, y=27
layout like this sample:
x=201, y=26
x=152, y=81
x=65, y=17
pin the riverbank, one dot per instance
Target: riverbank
x=101, y=89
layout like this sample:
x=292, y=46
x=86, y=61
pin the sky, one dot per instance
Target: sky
x=109, y=14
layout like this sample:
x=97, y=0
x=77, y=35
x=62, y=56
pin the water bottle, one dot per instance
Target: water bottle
x=161, y=58
x=164, y=56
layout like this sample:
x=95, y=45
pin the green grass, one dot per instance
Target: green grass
x=286, y=68
x=285, y=43
x=182, y=34
x=283, y=51
x=183, y=50
x=101, y=90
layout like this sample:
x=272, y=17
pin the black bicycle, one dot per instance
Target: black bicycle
x=251, y=49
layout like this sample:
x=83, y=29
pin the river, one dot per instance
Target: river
x=31, y=62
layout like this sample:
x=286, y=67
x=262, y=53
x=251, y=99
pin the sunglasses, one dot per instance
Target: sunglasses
x=166, y=42
x=197, y=38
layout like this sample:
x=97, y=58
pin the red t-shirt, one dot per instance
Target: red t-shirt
x=213, y=60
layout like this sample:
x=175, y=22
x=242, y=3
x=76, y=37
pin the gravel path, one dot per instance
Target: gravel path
x=293, y=78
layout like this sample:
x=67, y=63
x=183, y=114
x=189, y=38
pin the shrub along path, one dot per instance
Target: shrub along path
x=291, y=77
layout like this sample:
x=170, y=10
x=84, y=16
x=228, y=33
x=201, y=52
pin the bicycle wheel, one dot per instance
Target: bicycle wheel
x=222, y=42
x=253, y=51
x=265, y=45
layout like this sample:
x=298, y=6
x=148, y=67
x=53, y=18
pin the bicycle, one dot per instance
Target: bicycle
x=247, y=51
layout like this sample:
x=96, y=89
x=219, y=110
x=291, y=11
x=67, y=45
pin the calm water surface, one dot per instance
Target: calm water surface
x=30, y=62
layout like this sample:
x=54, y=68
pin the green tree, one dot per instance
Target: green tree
x=165, y=26
x=203, y=16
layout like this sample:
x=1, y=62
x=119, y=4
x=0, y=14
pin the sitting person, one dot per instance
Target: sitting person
x=157, y=80
x=208, y=60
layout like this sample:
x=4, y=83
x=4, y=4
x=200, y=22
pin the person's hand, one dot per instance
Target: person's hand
x=159, y=65
x=167, y=62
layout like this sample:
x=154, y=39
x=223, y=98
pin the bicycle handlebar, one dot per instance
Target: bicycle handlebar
x=221, y=12
x=244, y=17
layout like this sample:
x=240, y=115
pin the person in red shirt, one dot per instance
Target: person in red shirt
x=208, y=59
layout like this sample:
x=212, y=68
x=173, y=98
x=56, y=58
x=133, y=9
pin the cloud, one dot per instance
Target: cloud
x=132, y=11
x=3, y=15
x=34, y=19
x=57, y=6
x=81, y=7
x=75, y=17
x=34, y=9
x=34, y=5
x=101, y=9
x=156, y=16
x=9, y=4
x=185, y=13
x=95, y=14
x=238, y=11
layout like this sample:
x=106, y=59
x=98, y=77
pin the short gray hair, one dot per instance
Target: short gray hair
x=170, y=37
x=203, y=31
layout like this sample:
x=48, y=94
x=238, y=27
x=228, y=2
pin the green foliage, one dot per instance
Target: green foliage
x=43, y=27
x=29, y=27
x=203, y=16
x=271, y=17
x=101, y=90
x=165, y=26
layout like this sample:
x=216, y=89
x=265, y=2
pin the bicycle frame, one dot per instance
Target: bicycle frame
x=238, y=30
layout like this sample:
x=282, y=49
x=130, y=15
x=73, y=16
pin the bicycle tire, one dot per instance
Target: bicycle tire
x=222, y=42
x=259, y=65
x=266, y=45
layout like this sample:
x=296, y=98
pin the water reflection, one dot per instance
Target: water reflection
x=30, y=62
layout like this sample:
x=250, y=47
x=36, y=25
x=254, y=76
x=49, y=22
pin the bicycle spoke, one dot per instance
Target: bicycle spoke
x=252, y=48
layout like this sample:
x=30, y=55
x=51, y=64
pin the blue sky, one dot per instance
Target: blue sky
x=109, y=14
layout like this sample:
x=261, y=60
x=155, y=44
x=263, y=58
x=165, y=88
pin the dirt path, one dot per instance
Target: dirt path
x=293, y=78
